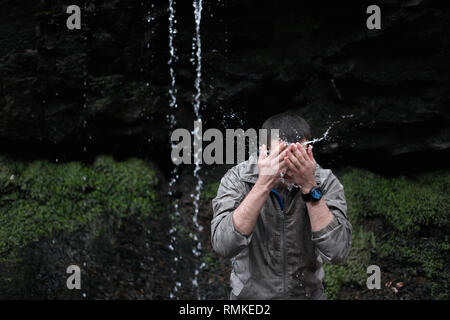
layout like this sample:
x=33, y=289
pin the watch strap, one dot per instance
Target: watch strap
x=308, y=196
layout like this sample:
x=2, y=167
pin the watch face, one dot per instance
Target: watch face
x=316, y=194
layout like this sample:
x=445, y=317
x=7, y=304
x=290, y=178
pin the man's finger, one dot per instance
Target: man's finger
x=281, y=156
x=293, y=160
x=277, y=150
x=262, y=152
x=283, y=164
x=281, y=147
x=310, y=154
x=278, y=166
x=290, y=164
x=298, y=154
x=293, y=149
x=302, y=149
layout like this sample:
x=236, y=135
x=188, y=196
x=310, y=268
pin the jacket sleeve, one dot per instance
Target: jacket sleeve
x=334, y=241
x=227, y=241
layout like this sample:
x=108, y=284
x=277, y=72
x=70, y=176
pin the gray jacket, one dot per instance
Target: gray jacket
x=282, y=257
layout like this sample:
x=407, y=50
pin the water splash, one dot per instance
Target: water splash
x=291, y=185
x=323, y=137
x=326, y=134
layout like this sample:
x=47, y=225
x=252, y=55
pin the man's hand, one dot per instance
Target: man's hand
x=270, y=166
x=300, y=161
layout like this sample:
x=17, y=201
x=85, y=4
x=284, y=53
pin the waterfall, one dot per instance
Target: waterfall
x=197, y=61
x=172, y=123
x=85, y=88
x=171, y=118
x=173, y=58
x=85, y=72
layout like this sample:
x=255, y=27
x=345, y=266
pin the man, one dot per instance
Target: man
x=278, y=236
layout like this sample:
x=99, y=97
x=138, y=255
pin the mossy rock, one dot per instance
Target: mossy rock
x=126, y=100
x=210, y=191
x=352, y=272
x=39, y=199
x=413, y=237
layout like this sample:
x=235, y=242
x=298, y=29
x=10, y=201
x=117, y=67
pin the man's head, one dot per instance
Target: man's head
x=292, y=128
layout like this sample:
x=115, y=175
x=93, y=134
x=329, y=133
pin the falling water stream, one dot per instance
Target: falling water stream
x=197, y=61
x=85, y=74
x=85, y=92
x=174, y=175
x=171, y=118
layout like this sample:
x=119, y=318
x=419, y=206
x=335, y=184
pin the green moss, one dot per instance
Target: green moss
x=210, y=261
x=353, y=271
x=210, y=191
x=414, y=235
x=40, y=198
x=406, y=204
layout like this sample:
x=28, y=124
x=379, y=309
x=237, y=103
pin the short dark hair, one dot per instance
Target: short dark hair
x=292, y=128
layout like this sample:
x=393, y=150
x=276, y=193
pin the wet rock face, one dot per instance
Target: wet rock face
x=106, y=87
x=125, y=262
x=76, y=94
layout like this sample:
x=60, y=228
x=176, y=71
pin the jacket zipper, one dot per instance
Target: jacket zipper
x=282, y=204
x=284, y=250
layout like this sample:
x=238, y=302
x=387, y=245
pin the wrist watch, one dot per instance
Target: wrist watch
x=314, y=195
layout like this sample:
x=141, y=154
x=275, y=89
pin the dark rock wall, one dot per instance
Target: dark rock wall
x=259, y=57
